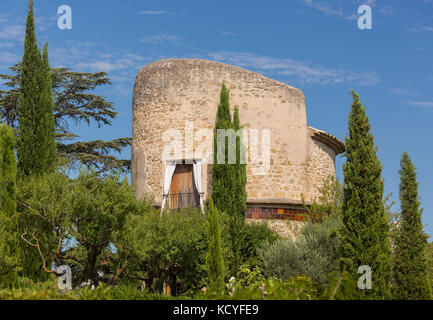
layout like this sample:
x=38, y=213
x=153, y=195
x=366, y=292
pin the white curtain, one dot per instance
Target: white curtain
x=169, y=171
x=197, y=181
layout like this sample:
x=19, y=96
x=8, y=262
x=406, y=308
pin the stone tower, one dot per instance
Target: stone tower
x=181, y=96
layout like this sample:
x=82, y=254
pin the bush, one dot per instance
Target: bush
x=251, y=236
x=314, y=254
x=167, y=249
x=297, y=288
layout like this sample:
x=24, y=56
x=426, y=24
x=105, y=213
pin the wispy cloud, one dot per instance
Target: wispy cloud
x=402, y=91
x=12, y=32
x=161, y=38
x=9, y=58
x=324, y=7
x=422, y=29
x=422, y=103
x=227, y=33
x=153, y=12
x=300, y=71
x=386, y=10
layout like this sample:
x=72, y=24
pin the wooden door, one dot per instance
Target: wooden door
x=183, y=193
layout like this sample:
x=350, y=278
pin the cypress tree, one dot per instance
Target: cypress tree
x=240, y=178
x=364, y=232
x=36, y=152
x=48, y=146
x=214, y=258
x=229, y=179
x=9, y=233
x=222, y=174
x=8, y=169
x=410, y=268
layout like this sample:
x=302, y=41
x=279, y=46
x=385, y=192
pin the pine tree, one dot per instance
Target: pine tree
x=410, y=268
x=8, y=216
x=364, y=233
x=73, y=101
x=214, y=258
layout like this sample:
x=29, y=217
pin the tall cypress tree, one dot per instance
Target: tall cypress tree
x=410, y=268
x=47, y=147
x=36, y=152
x=9, y=234
x=214, y=258
x=229, y=179
x=240, y=175
x=222, y=173
x=364, y=232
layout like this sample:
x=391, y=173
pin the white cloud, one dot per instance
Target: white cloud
x=161, y=38
x=422, y=103
x=14, y=32
x=422, y=29
x=386, y=10
x=324, y=7
x=153, y=12
x=300, y=71
x=227, y=33
x=8, y=58
x=402, y=91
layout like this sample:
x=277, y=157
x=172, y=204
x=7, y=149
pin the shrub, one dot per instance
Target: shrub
x=165, y=250
x=297, y=288
x=314, y=254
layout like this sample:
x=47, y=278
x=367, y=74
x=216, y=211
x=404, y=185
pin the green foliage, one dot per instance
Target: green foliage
x=214, y=259
x=47, y=143
x=71, y=100
x=297, y=288
x=315, y=253
x=429, y=255
x=252, y=236
x=341, y=287
x=364, y=232
x=48, y=291
x=168, y=249
x=329, y=202
x=229, y=179
x=88, y=212
x=36, y=145
x=8, y=215
x=410, y=268
x=246, y=278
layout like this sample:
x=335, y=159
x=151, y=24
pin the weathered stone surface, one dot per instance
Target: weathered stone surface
x=169, y=92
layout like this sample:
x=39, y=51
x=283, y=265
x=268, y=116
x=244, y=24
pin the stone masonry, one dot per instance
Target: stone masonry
x=170, y=93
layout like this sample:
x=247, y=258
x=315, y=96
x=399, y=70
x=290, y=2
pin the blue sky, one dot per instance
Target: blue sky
x=313, y=45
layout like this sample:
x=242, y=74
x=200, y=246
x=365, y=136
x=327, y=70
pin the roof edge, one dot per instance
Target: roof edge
x=333, y=142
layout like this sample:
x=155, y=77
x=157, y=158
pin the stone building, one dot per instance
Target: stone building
x=174, y=105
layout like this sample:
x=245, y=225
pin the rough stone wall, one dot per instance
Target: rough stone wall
x=321, y=165
x=168, y=93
